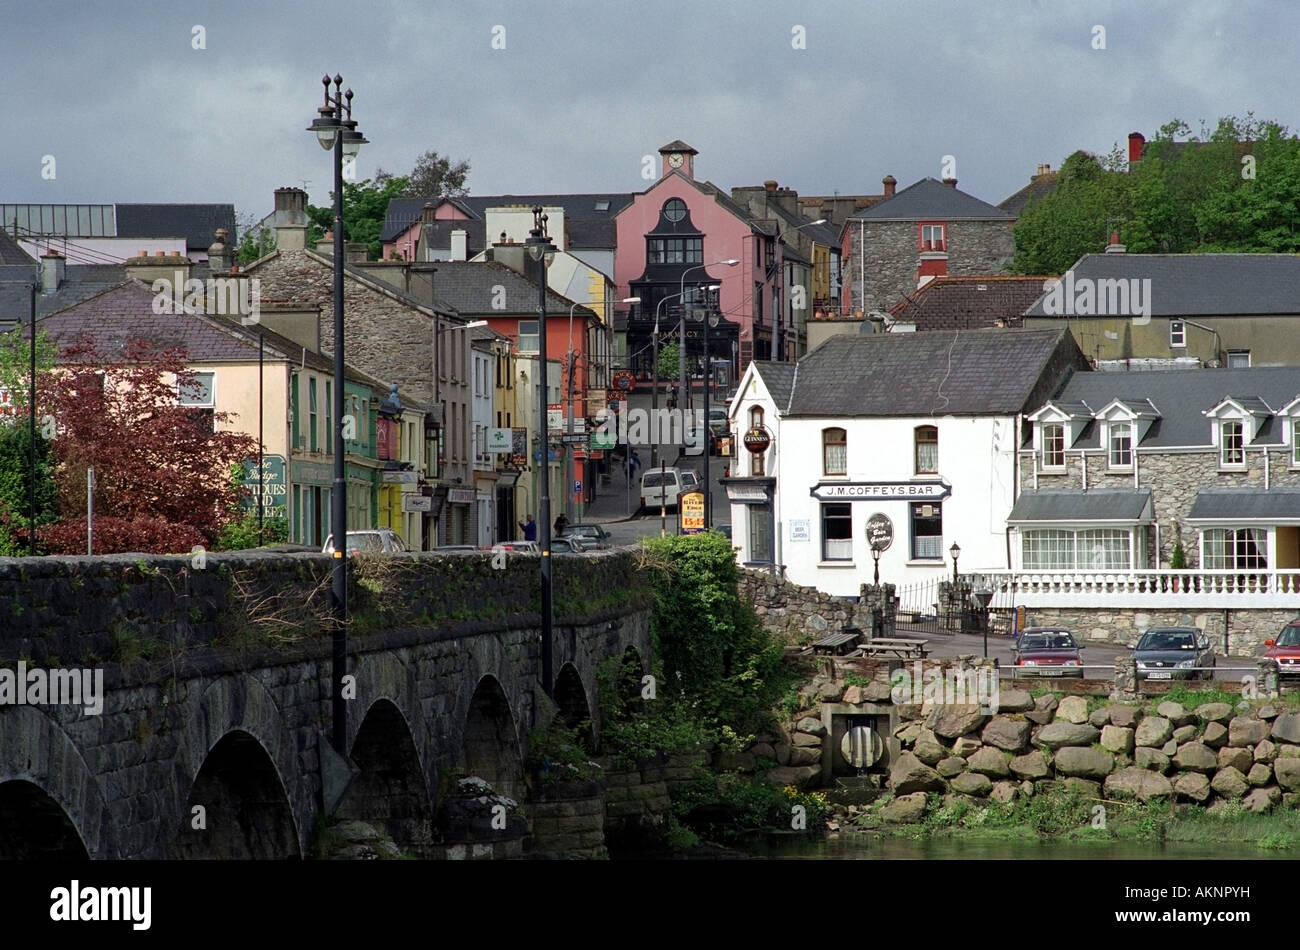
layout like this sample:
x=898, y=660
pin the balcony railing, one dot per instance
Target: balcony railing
x=1163, y=587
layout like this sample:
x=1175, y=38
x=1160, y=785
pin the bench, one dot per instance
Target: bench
x=837, y=643
x=900, y=647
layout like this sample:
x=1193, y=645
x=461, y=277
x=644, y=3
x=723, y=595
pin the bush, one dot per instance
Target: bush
x=242, y=533
x=118, y=535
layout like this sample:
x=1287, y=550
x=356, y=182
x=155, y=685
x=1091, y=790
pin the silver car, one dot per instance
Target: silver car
x=369, y=541
x=1166, y=653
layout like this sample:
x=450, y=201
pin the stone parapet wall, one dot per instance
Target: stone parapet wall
x=799, y=614
x=1246, y=629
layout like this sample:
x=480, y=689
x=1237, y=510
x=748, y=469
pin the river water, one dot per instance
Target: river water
x=859, y=847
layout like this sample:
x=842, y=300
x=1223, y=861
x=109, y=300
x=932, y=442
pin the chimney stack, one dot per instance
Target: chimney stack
x=173, y=268
x=1114, y=247
x=950, y=182
x=769, y=186
x=289, y=222
x=1043, y=170
x=1136, y=140
x=428, y=212
x=53, y=267
x=326, y=243
x=459, y=245
x=354, y=252
x=890, y=183
x=221, y=256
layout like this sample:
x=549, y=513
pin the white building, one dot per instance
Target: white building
x=916, y=433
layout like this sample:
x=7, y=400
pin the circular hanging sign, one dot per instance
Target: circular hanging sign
x=624, y=381
x=880, y=531
x=757, y=440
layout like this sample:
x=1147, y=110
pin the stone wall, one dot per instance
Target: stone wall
x=799, y=614
x=1246, y=629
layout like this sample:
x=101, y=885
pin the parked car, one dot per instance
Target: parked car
x=515, y=547
x=593, y=536
x=690, y=480
x=566, y=544
x=1047, y=651
x=724, y=529
x=369, y=541
x=1174, y=653
x=718, y=420
x=1285, y=649
x=456, y=547
x=660, y=485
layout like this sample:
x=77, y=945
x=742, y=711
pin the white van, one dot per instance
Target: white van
x=660, y=486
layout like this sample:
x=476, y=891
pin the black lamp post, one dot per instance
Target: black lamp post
x=955, y=551
x=335, y=129
x=985, y=596
x=875, y=556
x=541, y=251
x=710, y=319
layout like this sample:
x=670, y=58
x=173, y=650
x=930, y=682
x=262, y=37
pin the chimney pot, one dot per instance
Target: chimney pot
x=890, y=183
x=770, y=185
x=1136, y=140
x=950, y=182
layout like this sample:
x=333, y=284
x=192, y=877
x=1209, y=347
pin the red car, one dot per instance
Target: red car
x=1047, y=651
x=1286, y=649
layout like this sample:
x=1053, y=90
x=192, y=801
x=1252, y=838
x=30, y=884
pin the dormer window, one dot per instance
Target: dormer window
x=1053, y=439
x=1295, y=442
x=1121, y=445
x=1232, y=447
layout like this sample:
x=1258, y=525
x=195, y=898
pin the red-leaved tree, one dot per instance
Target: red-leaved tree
x=162, y=469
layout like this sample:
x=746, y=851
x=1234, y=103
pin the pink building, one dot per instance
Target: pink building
x=674, y=235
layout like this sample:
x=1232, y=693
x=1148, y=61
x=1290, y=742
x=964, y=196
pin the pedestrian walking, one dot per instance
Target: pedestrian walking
x=560, y=524
x=529, y=528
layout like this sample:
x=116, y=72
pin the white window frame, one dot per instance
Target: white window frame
x=1238, y=354
x=534, y=336
x=1112, y=432
x=1295, y=441
x=1047, y=463
x=211, y=388
x=1224, y=461
x=1177, y=333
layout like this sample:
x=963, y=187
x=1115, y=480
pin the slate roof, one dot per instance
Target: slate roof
x=1097, y=505
x=197, y=223
x=80, y=281
x=403, y=212
x=11, y=253
x=1039, y=187
x=930, y=199
x=969, y=303
x=438, y=235
x=468, y=287
x=981, y=372
x=779, y=380
x=1190, y=285
x=1245, y=504
x=1181, y=397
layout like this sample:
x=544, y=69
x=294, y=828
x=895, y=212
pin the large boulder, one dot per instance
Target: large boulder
x=806, y=741
x=1183, y=734
x=1195, y=757
x=1084, y=762
x=972, y=783
x=1006, y=733
x=928, y=748
x=954, y=721
x=905, y=809
x=1175, y=713
x=1004, y=793
x=1239, y=759
x=1214, y=712
x=1193, y=786
x=852, y=694
x=1262, y=800
x=955, y=765
x=1265, y=752
x=966, y=745
x=1083, y=787
x=1015, y=701
x=906, y=732
x=1287, y=771
x=1044, y=709
x=1259, y=775
x=802, y=755
x=1245, y=731
x=1056, y=735
x=1115, y=739
x=1072, y=709
x=1229, y=783
x=877, y=692
x=1153, y=731
x=803, y=777
x=811, y=726
x=989, y=761
x=1126, y=717
x=909, y=774
x=1216, y=734
x=1099, y=717
x=1148, y=758
x=1141, y=784
x=1033, y=766
x=1286, y=728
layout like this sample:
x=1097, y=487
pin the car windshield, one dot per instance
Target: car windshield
x=1167, y=640
x=655, y=479
x=1289, y=637
x=585, y=530
x=358, y=541
x=1046, y=641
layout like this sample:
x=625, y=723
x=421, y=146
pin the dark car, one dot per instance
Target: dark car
x=567, y=545
x=1165, y=653
x=1047, y=651
x=1286, y=650
x=593, y=536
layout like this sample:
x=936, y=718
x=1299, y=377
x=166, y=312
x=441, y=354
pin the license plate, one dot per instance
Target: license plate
x=1043, y=672
x=1161, y=675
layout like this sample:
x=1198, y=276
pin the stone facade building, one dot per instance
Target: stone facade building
x=927, y=230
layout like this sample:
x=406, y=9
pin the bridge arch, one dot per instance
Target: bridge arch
x=490, y=746
x=574, y=704
x=390, y=791
x=232, y=757
x=52, y=787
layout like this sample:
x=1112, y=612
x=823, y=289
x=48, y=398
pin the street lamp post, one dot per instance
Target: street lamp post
x=708, y=427
x=542, y=252
x=875, y=556
x=955, y=551
x=683, y=400
x=336, y=129
x=780, y=235
x=654, y=382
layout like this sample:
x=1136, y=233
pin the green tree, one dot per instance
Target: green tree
x=255, y=245
x=1072, y=220
x=669, y=357
x=433, y=177
x=15, y=486
x=365, y=205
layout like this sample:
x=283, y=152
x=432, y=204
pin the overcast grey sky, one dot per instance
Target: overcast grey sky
x=582, y=90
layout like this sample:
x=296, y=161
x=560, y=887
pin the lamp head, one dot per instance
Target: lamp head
x=955, y=550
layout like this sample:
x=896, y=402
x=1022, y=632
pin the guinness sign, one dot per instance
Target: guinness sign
x=757, y=440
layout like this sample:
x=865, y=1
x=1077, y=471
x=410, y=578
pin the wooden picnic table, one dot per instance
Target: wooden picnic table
x=837, y=642
x=902, y=647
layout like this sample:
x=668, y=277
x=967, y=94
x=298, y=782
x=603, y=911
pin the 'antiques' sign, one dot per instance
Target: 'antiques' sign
x=880, y=491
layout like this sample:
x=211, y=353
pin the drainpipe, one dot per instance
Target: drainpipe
x=1265, y=451
x=862, y=264
x=1135, y=467
x=1083, y=467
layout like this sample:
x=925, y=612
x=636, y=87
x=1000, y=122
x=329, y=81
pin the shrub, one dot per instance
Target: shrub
x=148, y=535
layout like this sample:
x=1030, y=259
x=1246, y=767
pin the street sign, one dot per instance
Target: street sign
x=576, y=438
x=577, y=485
x=603, y=439
x=799, y=529
x=757, y=440
x=554, y=417
x=413, y=502
x=880, y=531
x=499, y=440
x=690, y=512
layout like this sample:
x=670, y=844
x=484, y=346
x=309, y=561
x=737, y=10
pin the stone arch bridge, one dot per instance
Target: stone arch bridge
x=215, y=701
